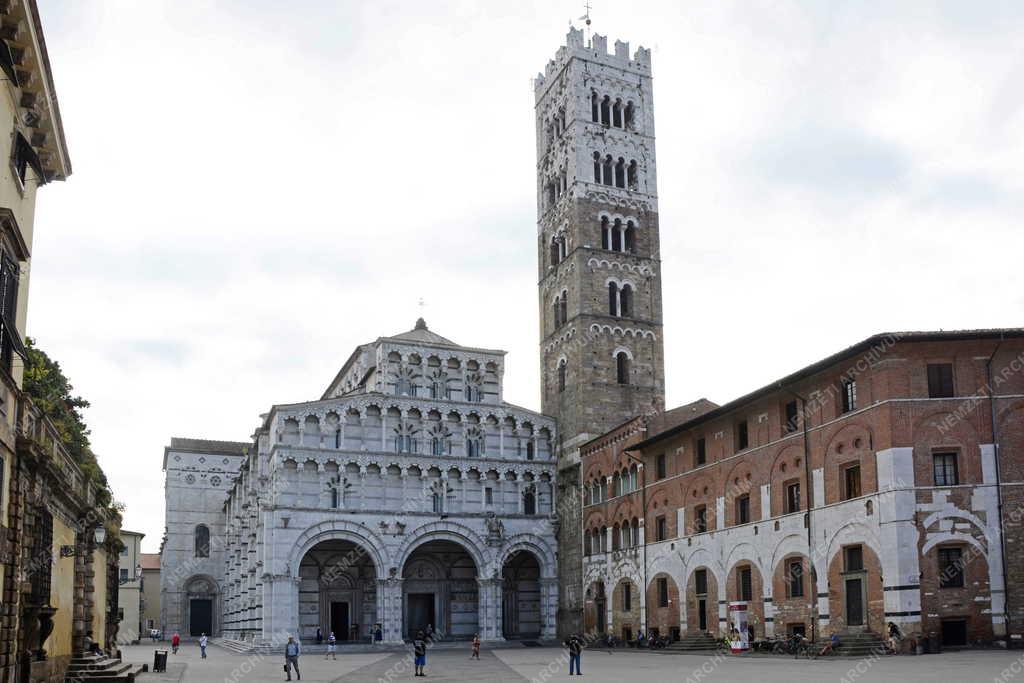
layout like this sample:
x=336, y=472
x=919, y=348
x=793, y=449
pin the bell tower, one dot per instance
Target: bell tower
x=601, y=354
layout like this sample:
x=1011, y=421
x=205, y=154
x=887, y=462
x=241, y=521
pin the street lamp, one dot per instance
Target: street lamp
x=99, y=534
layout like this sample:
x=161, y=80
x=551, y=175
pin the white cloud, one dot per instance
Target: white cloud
x=261, y=186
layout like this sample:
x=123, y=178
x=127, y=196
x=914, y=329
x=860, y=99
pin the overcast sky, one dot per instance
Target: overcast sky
x=260, y=186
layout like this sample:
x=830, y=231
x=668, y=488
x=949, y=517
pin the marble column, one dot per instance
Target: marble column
x=489, y=608
x=548, y=608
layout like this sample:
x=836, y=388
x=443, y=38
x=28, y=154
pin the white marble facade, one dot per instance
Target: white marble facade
x=409, y=494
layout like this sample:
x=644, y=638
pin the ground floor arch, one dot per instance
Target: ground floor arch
x=337, y=591
x=440, y=590
x=201, y=607
x=595, y=611
x=521, y=596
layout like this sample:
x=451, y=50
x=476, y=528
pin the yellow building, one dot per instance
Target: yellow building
x=151, y=594
x=129, y=589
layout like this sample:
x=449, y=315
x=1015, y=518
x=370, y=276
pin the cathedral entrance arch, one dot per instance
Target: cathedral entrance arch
x=521, y=596
x=201, y=606
x=439, y=590
x=337, y=591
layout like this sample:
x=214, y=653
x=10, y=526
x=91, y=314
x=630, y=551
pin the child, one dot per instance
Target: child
x=419, y=651
x=332, y=647
x=476, y=647
x=175, y=642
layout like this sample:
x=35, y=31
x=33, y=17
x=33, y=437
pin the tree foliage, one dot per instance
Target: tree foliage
x=53, y=393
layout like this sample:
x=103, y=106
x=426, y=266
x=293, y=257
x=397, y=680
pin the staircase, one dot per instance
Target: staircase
x=860, y=644
x=701, y=641
x=100, y=668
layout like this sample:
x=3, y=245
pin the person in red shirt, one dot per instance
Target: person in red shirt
x=175, y=642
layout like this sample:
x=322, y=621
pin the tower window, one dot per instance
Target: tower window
x=606, y=234
x=202, y=541
x=529, y=450
x=626, y=301
x=594, y=105
x=617, y=235
x=620, y=173
x=630, y=114
x=617, y=114
x=622, y=367
x=606, y=111
x=631, y=175
x=613, y=299
x=629, y=245
x=561, y=376
x=607, y=172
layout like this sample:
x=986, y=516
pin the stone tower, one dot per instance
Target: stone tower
x=601, y=352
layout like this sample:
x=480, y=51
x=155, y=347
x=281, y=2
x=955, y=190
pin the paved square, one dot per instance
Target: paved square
x=516, y=665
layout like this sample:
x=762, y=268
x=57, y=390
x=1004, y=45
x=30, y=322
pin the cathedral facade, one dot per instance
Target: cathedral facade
x=409, y=495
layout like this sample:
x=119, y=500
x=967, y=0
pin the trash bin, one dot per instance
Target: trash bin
x=159, y=660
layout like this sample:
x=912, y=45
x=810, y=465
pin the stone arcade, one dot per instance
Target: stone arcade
x=409, y=495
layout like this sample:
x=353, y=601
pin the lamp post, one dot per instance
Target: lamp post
x=99, y=534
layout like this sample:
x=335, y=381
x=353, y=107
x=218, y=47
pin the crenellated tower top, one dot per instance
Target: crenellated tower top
x=596, y=51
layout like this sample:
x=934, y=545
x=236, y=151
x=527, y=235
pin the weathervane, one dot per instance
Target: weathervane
x=586, y=18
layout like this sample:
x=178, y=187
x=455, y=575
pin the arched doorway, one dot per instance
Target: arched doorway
x=520, y=606
x=201, y=606
x=439, y=589
x=337, y=591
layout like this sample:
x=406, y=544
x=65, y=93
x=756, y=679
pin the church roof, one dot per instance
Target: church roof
x=421, y=335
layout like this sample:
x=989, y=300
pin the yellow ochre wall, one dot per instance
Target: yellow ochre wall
x=99, y=597
x=62, y=590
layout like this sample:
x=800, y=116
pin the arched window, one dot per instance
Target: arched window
x=620, y=173
x=529, y=450
x=607, y=172
x=636, y=531
x=604, y=539
x=622, y=367
x=626, y=540
x=474, y=444
x=597, y=167
x=529, y=502
x=630, y=113
x=556, y=311
x=606, y=111
x=617, y=114
x=630, y=240
x=202, y=541
x=606, y=233
x=594, y=104
x=561, y=376
x=631, y=180
x=553, y=248
x=613, y=299
x=616, y=485
x=586, y=544
x=626, y=301
x=616, y=537
x=563, y=306
x=617, y=235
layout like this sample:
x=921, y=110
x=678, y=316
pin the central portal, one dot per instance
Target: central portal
x=339, y=620
x=421, y=613
x=440, y=591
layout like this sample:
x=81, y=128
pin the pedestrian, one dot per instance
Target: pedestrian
x=575, y=646
x=332, y=646
x=895, y=637
x=419, y=651
x=319, y=635
x=203, y=641
x=291, y=658
x=175, y=642
x=476, y=647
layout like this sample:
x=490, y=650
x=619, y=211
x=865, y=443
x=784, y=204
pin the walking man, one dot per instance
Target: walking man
x=575, y=646
x=291, y=659
x=203, y=640
x=419, y=652
x=332, y=647
x=476, y=647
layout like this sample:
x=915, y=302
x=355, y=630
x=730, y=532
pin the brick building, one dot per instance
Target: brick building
x=880, y=484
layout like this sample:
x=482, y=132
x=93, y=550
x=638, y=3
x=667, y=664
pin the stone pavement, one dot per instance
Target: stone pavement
x=540, y=665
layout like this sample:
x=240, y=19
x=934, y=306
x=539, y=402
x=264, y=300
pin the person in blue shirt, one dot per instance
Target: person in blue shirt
x=419, y=652
x=292, y=650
